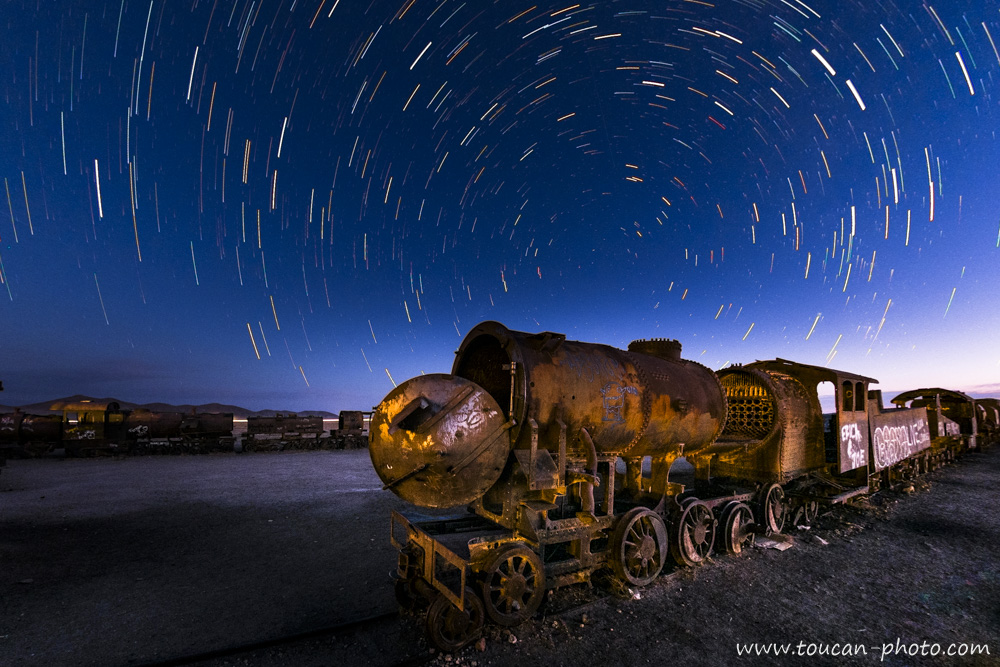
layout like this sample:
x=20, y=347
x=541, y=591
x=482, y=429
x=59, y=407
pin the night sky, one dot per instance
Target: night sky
x=293, y=203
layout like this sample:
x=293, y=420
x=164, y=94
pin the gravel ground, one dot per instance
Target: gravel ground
x=113, y=562
x=150, y=559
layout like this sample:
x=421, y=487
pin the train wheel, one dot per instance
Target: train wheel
x=639, y=543
x=450, y=628
x=694, y=534
x=772, y=509
x=408, y=599
x=513, y=586
x=812, y=511
x=737, y=527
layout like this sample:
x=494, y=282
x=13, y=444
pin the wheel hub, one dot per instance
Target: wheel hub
x=458, y=622
x=699, y=533
x=514, y=588
x=647, y=548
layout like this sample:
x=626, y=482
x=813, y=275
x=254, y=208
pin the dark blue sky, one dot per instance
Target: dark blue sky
x=343, y=189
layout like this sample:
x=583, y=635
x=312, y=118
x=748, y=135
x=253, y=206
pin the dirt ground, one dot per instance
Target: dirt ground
x=149, y=560
x=114, y=562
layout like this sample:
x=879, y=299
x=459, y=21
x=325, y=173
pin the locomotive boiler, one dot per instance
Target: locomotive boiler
x=562, y=408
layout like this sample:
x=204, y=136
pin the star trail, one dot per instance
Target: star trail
x=289, y=203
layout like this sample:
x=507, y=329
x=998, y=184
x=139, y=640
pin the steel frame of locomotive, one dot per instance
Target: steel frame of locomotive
x=560, y=507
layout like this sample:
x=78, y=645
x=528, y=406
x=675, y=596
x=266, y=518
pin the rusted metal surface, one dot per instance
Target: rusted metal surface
x=351, y=421
x=988, y=420
x=209, y=425
x=956, y=412
x=280, y=425
x=439, y=441
x=85, y=406
x=351, y=432
x=10, y=426
x=88, y=427
x=91, y=425
x=632, y=403
x=147, y=425
x=527, y=430
x=562, y=408
x=897, y=435
x=776, y=429
x=283, y=432
x=38, y=432
x=423, y=556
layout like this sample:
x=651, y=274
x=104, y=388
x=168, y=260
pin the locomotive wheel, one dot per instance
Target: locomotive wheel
x=513, y=585
x=737, y=527
x=639, y=543
x=772, y=510
x=450, y=628
x=406, y=597
x=812, y=511
x=694, y=534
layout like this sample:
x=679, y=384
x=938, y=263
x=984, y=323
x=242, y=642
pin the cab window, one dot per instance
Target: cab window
x=848, y=399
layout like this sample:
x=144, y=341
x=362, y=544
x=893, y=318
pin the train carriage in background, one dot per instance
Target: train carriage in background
x=23, y=434
x=351, y=432
x=91, y=426
x=988, y=421
x=282, y=432
x=207, y=431
x=952, y=414
x=153, y=432
x=179, y=432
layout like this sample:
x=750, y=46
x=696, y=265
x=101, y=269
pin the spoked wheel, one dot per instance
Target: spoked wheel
x=772, y=510
x=639, y=543
x=811, y=511
x=737, y=527
x=805, y=512
x=693, y=533
x=450, y=628
x=513, y=586
x=408, y=599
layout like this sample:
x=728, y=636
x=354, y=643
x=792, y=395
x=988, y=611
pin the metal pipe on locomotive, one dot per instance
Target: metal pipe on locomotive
x=562, y=453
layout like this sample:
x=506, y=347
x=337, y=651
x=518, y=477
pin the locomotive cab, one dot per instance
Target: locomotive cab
x=777, y=431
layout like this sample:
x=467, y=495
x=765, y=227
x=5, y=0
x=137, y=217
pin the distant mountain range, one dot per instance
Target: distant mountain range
x=43, y=407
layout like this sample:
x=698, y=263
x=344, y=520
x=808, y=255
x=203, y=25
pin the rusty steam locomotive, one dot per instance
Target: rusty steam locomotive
x=562, y=452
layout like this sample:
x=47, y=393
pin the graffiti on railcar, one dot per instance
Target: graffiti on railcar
x=898, y=435
x=892, y=444
x=853, y=444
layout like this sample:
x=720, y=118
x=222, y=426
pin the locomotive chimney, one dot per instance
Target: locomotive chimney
x=663, y=348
